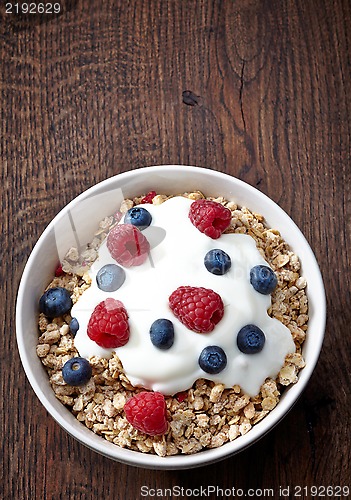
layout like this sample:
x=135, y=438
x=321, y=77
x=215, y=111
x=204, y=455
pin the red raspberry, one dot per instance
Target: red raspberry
x=149, y=197
x=181, y=396
x=108, y=325
x=210, y=217
x=59, y=271
x=127, y=245
x=147, y=412
x=199, y=309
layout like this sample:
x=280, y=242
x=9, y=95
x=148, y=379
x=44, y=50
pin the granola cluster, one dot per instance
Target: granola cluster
x=208, y=414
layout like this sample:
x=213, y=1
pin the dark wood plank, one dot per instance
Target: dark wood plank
x=98, y=90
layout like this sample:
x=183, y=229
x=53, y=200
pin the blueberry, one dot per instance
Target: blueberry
x=217, y=262
x=212, y=359
x=76, y=371
x=110, y=277
x=139, y=217
x=162, y=333
x=250, y=339
x=55, y=302
x=263, y=279
x=74, y=326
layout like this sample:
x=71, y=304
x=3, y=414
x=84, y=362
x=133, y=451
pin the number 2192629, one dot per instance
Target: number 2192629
x=33, y=8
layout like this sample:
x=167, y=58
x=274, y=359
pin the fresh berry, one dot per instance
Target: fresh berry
x=199, y=309
x=74, y=326
x=149, y=197
x=250, y=339
x=59, y=271
x=110, y=277
x=162, y=333
x=209, y=217
x=108, y=325
x=147, y=412
x=263, y=279
x=127, y=245
x=217, y=261
x=55, y=302
x=139, y=217
x=212, y=359
x=76, y=371
x=181, y=396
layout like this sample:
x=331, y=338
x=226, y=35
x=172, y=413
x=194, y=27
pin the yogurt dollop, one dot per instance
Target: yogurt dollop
x=176, y=259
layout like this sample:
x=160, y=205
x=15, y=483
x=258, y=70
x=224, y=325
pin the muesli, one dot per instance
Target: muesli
x=209, y=412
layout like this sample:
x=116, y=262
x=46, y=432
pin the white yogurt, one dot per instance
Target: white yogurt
x=175, y=261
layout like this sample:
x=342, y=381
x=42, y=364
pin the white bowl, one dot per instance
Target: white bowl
x=80, y=217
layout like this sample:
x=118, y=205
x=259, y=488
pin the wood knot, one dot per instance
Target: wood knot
x=190, y=98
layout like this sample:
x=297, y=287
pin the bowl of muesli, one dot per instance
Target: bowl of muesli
x=170, y=316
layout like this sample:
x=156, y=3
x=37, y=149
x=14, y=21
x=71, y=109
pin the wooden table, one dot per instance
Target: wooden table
x=98, y=89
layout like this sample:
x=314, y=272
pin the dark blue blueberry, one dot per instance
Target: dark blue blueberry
x=110, y=277
x=162, y=333
x=250, y=339
x=74, y=326
x=55, y=302
x=212, y=359
x=139, y=217
x=76, y=371
x=217, y=262
x=263, y=279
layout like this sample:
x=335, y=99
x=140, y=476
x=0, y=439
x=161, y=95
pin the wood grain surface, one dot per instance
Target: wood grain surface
x=260, y=89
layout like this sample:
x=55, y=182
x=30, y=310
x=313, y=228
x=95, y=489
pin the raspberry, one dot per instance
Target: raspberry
x=181, y=396
x=127, y=245
x=209, y=217
x=199, y=309
x=149, y=197
x=59, y=271
x=108, y=325
x=147, y=412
